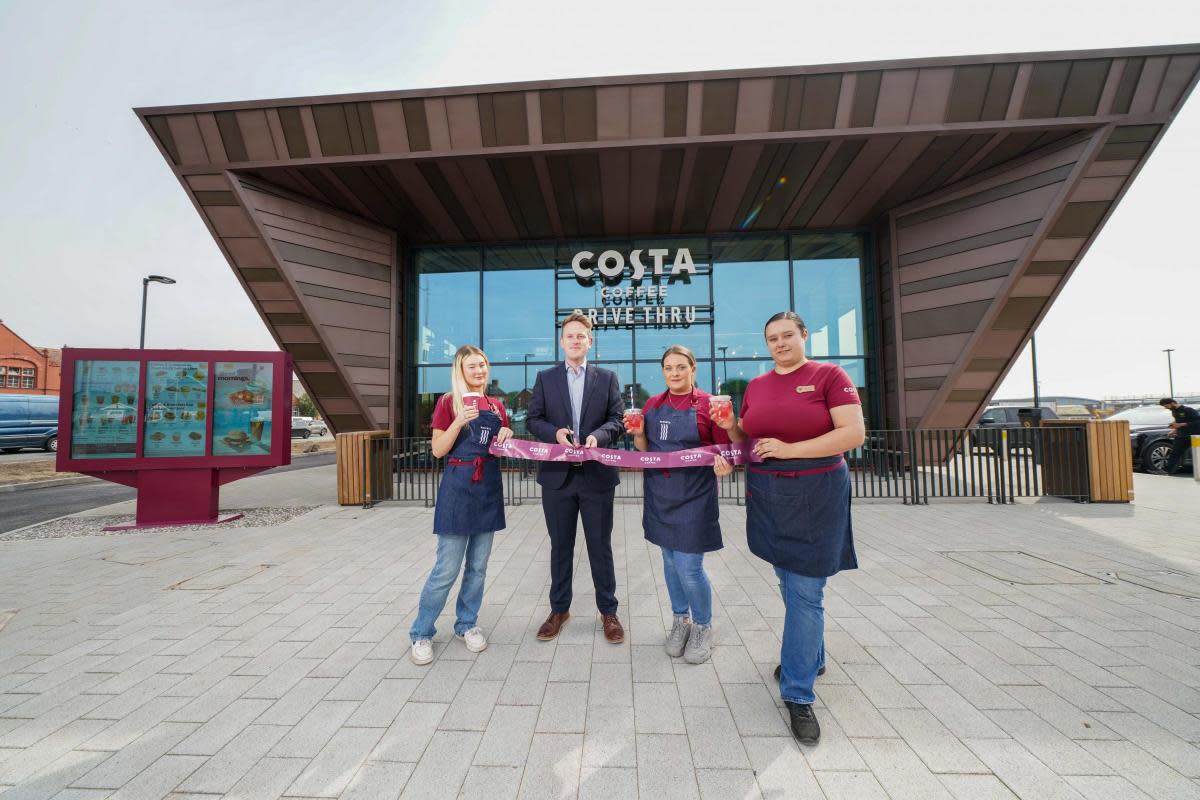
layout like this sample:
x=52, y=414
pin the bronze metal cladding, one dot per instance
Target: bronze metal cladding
x=983, y=181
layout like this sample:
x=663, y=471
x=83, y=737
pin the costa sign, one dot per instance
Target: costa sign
x=612, y=263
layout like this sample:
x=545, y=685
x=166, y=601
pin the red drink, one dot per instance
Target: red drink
x=472, y=399
x=634, y=422
x=720, y=408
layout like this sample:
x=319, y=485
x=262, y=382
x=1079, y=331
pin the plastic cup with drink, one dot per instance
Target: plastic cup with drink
x=634, y=421
x=720, y=408
x=472, y=400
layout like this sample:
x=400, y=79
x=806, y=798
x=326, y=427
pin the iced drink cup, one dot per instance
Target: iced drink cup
x=634, y=422
x=472, y=399
x=256, y=429
x=720, y=407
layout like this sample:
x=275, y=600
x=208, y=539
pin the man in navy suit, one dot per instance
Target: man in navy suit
x=576, y=403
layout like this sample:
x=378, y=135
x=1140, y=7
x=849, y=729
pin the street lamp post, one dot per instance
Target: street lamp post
x=146, y=281
x=724, y=366
x=525, y=382
x=1037, y=398
x=1170, y=375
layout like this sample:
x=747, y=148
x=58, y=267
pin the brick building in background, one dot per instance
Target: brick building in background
x=25, y=369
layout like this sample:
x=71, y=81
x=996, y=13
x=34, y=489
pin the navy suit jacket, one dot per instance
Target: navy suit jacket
x=601, y=416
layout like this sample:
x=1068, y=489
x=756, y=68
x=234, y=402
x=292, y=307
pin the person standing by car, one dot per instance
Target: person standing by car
x=1185, y=426
x=470, y=502
x=575, y=403
x=803, y=415
x=680, y=512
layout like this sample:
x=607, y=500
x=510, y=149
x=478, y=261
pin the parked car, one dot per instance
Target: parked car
x=1148, y=438
x=300, y=427
x=28, y=420
x=318, y=427
x=996, y=418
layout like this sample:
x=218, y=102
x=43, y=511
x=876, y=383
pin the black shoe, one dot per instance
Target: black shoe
x=779, y=667
x=804, y=722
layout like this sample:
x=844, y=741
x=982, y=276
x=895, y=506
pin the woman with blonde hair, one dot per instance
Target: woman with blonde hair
x=470, y=502
x=680, y=512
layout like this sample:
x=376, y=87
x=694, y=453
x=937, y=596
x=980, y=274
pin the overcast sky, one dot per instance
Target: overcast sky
x=88, y=206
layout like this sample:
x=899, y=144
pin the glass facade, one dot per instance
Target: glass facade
x=510, y=298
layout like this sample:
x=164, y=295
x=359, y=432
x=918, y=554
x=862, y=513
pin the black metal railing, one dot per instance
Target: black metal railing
x=912, y=466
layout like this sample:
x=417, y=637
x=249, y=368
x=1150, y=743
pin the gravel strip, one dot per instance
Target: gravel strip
x=76, y=526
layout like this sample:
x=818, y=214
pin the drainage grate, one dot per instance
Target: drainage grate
x=220, y=577
x=1167, y=581
x=1017, y=567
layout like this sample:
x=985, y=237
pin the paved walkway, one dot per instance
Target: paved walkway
x=1042, y=650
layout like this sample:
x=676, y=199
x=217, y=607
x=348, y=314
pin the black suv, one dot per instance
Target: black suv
x=1007, y=418
x=1148, y=436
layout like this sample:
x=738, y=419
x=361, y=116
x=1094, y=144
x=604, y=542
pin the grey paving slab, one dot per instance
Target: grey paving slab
x=443, y=766
x=665, y=767
x=378, y=780
x=608, y=783
x=220, y=773
x=410, y=732
x=942, y=680
x=553, y=768
x=490, y=783
x=328, y=774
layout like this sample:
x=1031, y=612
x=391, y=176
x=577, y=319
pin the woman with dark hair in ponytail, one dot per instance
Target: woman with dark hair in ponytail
x=470, y=502
x=680, y=514
x=802, y=415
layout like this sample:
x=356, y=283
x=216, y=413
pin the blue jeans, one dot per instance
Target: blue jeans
x=803, y=650
x=451, y=549
x=687, y=585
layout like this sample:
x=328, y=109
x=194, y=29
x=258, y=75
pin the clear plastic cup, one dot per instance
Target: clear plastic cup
x=720, y=407
x=634, y=421
x=473, y=399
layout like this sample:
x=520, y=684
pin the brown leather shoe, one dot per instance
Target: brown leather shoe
x=553, y=624
x=613, y=631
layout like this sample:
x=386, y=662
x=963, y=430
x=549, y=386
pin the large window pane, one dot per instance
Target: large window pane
x=750, y=282
x=518, y=315
x=518, y=303
x=826, y=269
x=447, y=302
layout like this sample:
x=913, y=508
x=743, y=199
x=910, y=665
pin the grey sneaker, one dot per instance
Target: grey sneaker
x=678, y=637
x=699, y=646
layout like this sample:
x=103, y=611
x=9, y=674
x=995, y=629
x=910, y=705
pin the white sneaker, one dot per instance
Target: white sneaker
x=422, y=652
x=474, y=639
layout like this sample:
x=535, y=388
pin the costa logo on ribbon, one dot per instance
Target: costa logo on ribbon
x=631, y=459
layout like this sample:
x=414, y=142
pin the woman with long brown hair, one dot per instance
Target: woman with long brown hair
x=680, y=512
x=470, y=502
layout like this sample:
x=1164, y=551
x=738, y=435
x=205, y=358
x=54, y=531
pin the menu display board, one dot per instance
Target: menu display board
x=104, y=409
x=176, y=408
x=242, y=413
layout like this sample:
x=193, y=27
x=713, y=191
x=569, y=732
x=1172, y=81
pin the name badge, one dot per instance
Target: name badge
x=805, y=389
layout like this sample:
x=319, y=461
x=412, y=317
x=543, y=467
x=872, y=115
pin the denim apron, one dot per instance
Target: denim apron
x=680, y=510
x=798, y=515
x=471, y=496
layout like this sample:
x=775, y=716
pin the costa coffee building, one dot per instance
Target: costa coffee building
x=921, y=216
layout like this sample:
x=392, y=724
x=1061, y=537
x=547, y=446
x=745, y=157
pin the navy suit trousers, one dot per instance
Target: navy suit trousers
x=563, y=507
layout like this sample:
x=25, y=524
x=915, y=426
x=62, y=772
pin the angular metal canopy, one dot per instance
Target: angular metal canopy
x=984, y=180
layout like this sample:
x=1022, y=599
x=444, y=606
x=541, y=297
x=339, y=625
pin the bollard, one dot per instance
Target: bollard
x=1196, y=457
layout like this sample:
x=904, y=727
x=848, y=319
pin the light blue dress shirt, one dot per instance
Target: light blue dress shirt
x=575, y=378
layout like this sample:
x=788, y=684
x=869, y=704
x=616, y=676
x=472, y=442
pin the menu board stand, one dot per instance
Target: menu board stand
x=174, y=424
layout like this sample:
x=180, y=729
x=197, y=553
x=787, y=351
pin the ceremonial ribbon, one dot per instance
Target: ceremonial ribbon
x=693, y=457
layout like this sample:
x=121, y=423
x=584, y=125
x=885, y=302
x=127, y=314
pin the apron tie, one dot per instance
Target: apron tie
x=476, y=462
x=800, y=473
